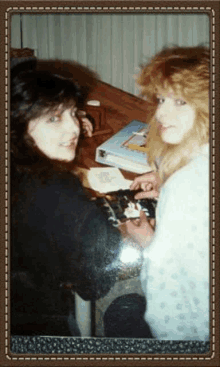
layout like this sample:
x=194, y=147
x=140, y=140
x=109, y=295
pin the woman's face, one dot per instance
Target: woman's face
x=175, y=118
x=56, y=134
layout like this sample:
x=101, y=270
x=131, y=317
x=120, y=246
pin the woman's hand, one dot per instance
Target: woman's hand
x=149, y=183
x=87, y=127
x=139, y=230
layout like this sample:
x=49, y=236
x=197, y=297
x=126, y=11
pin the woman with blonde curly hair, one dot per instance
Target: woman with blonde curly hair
x=175, y=272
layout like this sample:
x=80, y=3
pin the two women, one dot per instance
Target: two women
x=58, y=236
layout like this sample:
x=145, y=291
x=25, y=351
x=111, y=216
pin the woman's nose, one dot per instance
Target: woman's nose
x=165, y=110
x=71, y=124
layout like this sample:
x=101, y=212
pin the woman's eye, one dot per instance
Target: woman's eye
x=180, y=102
x=160, y=100
x=54, y=119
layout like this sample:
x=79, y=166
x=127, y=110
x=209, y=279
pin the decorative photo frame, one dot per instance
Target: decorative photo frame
x=103, y=351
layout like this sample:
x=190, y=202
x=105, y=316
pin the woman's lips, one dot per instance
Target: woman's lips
x=70, y=143
x=163, y=128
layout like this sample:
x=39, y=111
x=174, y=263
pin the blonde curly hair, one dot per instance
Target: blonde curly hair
x=184, y=70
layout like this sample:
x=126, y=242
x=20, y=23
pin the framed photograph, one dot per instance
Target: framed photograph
x=113, y=40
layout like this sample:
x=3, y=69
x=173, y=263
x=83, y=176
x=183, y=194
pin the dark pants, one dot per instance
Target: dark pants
x=36, y=312
x=124, y=318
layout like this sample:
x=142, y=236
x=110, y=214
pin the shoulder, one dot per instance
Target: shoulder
x=193, y=176
x=32, y=190
x=183, y=209
x=64, y=181
x=60, y=190
x=187, y=190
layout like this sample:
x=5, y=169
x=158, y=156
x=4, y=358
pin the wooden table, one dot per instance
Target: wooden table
x=121, y=108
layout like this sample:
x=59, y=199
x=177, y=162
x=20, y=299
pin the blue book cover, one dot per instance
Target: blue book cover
x=126, y=149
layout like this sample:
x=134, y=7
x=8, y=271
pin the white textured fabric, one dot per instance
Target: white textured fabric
x=175, y=273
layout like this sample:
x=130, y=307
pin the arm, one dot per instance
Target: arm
x=180, y=210
x=141, y=230
x=87, y=127
x=177, y=261
x=87, y=245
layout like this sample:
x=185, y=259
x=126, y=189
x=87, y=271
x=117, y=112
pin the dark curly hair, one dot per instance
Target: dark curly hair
x=35, y=93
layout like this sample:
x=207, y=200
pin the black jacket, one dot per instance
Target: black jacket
x=58, y=237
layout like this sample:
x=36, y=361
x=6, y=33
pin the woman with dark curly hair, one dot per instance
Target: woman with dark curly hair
x=58, y=236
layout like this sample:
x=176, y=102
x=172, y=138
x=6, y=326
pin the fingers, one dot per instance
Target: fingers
x=143, y=181
x=141, y=232
x=87, y=126
x=135, y=184
x=144, y=223
x=143, y=217
x=147, y=195
x=136, y=221
x=142, y=220
x=130, y=226
x=145, y=186
x=152, y=222
x=123, y=229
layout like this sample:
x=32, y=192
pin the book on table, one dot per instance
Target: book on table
x=126, y=149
